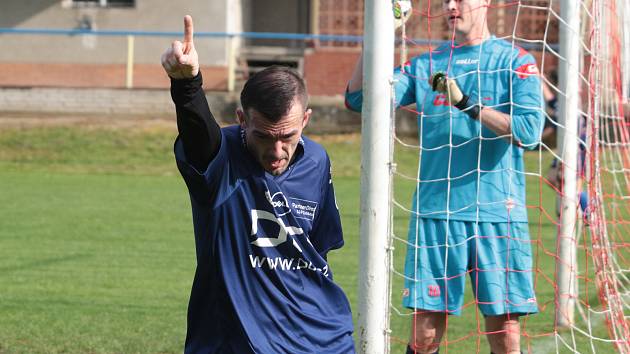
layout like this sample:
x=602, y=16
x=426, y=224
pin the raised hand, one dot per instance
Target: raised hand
x=181, y=61
x=402, y=12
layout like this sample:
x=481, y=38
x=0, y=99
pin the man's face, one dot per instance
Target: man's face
x=467, y=17
x=273, y=144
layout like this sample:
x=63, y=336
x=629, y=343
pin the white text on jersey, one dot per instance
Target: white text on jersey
x=466, y=61
x=285, y=264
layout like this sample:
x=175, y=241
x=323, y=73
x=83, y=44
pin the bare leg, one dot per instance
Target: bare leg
x=504, y=334
x=427, y=329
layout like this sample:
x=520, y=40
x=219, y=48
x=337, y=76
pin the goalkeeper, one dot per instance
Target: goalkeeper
x=264, y=216
x=480, y=106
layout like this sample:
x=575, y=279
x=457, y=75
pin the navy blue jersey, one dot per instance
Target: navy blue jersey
x=262, y=283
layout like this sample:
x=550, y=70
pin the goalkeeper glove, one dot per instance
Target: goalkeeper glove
x=440, y=83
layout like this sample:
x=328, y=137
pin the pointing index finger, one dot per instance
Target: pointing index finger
x=188, y=29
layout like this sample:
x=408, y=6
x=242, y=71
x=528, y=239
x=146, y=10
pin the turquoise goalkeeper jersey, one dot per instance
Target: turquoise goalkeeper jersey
x=467, y=172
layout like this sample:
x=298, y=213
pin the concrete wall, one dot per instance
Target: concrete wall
x=98, y=76
x=147, y=15
x=329, y=114
x=100, y=61
x=327, y=71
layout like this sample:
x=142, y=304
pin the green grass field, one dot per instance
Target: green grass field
x=97, y=254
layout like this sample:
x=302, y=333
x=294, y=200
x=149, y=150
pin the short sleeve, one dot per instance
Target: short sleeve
x=327, y=233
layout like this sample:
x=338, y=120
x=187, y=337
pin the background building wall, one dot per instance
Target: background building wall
x=329, y=64
x=87, y=61
x=147, y=15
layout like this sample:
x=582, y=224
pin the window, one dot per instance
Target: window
x=121, y=3
x=99, y=3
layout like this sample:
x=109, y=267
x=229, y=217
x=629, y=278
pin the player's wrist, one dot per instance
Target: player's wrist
x=471, y=109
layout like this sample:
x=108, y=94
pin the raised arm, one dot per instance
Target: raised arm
x=356, y=80
x=198, y=130
x=355, y=84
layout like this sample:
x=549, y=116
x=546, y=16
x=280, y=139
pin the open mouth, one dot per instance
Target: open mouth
x=275, y=164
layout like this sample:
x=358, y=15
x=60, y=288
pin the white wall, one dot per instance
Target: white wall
x=148, y=15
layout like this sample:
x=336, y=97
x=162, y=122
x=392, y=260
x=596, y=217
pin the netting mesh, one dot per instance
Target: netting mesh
x=598, y=261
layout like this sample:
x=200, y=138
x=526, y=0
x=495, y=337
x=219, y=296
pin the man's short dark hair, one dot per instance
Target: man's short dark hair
x=272, y=91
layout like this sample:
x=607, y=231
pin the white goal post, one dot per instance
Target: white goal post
x=568, y=112
x=589, y=46
x=378, y=63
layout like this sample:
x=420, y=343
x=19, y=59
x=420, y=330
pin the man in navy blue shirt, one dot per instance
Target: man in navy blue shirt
x=264, y=216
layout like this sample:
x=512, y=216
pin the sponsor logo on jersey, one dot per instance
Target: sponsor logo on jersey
x=526, y=70
x=440, y=100
x=279, y=203
x=279, y=232
x=283, y=231
x=467, y=61
x=286, y=264
x=303, y=209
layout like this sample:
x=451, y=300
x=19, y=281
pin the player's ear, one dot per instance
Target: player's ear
x=240, y=116
x=307, y=117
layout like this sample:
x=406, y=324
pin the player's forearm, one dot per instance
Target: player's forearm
x=356, y=81
x=523, y=129
x=198, y=130
x=500, y=123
